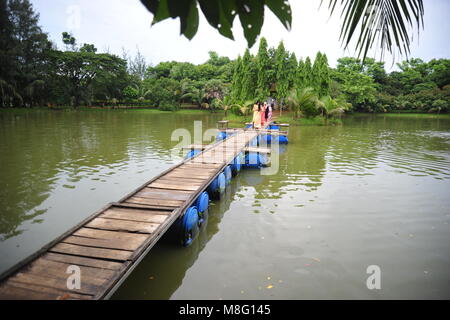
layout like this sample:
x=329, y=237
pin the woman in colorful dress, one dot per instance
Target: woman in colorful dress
x=263, y=114
x=256, y=116
x=269, y=112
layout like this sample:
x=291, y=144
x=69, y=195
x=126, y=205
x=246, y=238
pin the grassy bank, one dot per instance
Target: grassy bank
x=93, y=109
x=410, y=115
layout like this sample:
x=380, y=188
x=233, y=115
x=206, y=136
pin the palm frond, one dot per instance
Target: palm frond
x=388, y=22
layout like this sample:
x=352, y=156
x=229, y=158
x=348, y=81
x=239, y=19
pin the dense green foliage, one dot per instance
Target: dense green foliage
x=353, y=85
x=33, y=72
x=418, y=86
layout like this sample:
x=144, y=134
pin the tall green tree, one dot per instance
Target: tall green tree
x=307, y=71
x=282, y=75
x=248, y=77
x=300, y=75
x=24, y=49
x=236, y=83
x=324, y=77
x=315, y=72
x=263, y=65
x=77, y=71
x=292, y=69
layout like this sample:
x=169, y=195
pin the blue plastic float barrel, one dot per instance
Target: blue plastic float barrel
x=253, y=143
x=228, y=174
x=221, y=136
x=217, y=187
x=192, y=153
x=283, y=140
x=237, y=163
x=187, y=226
x=255, y=160
x=202, y=204
x=265, y=138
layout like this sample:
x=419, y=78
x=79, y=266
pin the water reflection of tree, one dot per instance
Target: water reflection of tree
x=301, y=166
x=162, y=272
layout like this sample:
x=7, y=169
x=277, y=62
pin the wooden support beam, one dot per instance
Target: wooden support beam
x=257, y=150
x=222, y=124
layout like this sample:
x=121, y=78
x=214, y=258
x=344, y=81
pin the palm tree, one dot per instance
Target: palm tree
x=244, y=108
x=387, y=21
x=304, y=100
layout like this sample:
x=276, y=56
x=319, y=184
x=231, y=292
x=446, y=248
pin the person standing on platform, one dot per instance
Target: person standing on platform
x=257, y=115
x=268, y=113
x=263, y=114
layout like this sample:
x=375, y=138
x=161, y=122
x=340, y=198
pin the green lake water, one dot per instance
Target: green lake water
x=374, y=191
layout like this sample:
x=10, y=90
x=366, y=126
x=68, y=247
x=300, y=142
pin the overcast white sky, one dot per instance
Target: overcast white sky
x=113, y=24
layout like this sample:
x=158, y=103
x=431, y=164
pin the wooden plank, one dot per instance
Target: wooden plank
x=15, y=292
x=212, y=160
x=119, y=255
x=188, y=175
x=158, y=210
x=185, y=181
x=192, y=164
x=173, y=187
x=164, y=194
x=33, y=292
x=112, y=235
x=191, y=180
x=193, y=173
x=133, y=215
x=104, y=243
x=257, y=150
x=162, y=209
x=82, y=261
x=50, y=269
x=54, y=282
x=156, y=202
x=122, y=225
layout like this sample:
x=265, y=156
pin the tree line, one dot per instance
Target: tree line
x=312, y=87
x=34, y=73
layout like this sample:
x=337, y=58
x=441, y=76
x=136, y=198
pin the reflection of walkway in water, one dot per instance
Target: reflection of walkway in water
x=162, y=272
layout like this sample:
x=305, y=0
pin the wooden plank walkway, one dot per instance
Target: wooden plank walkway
x=108, y=245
